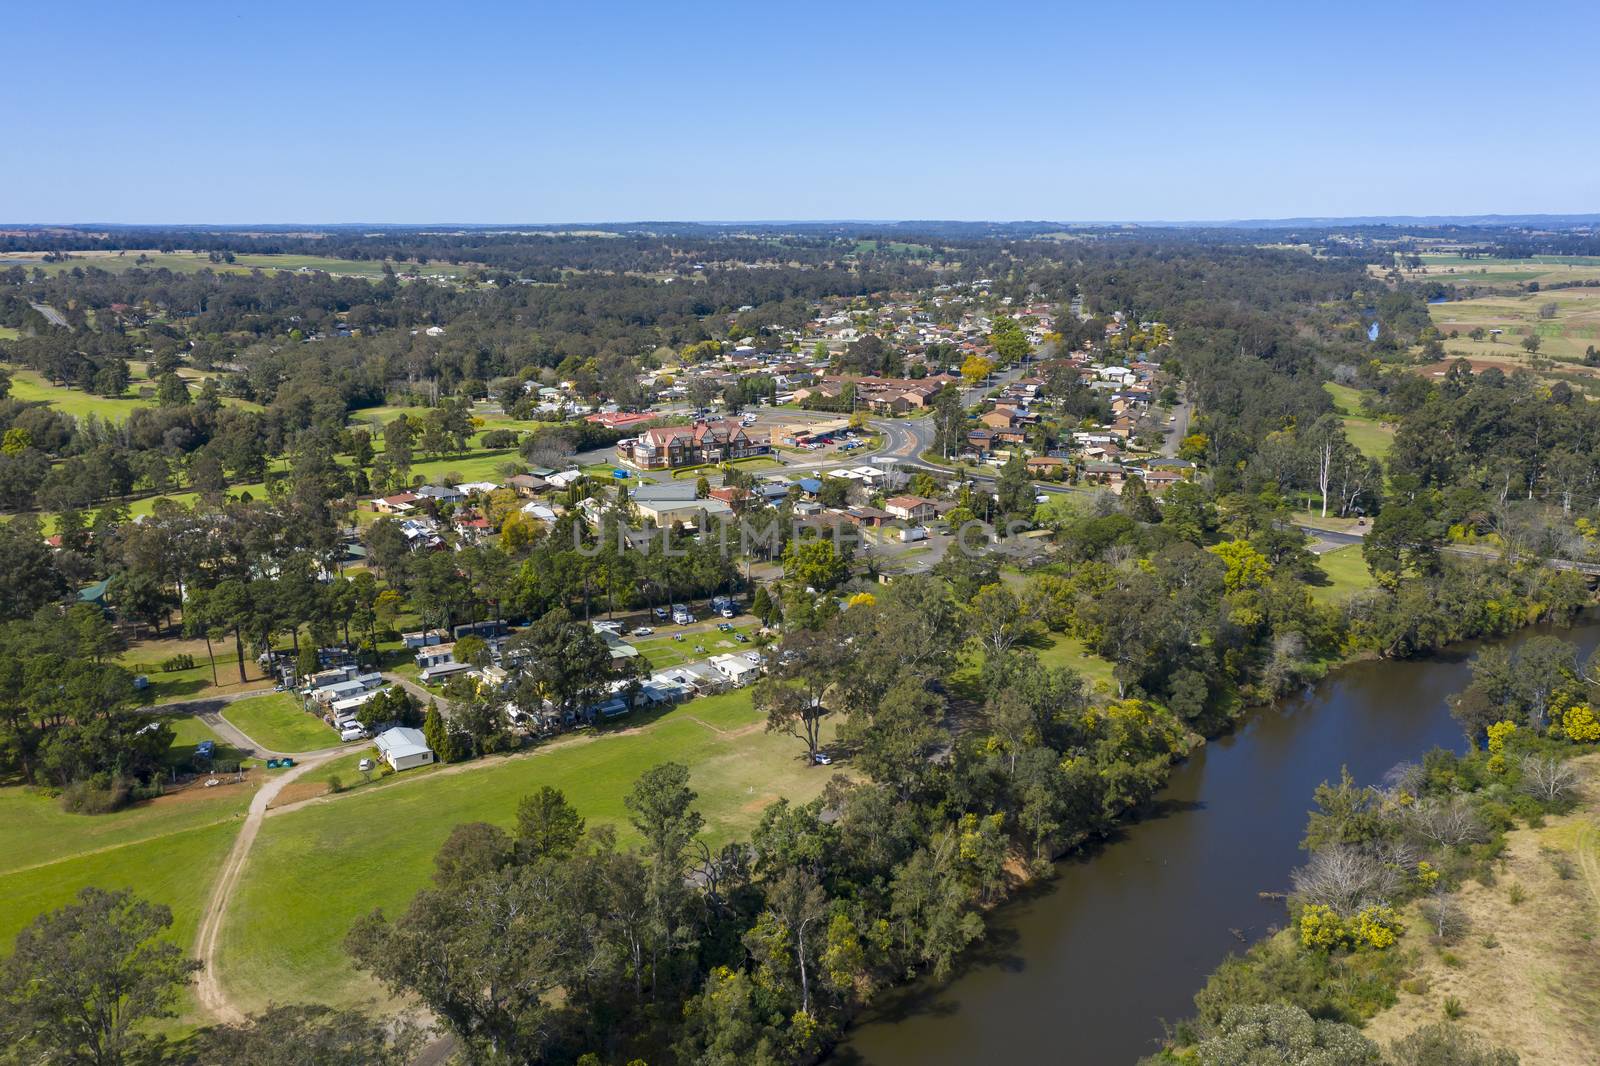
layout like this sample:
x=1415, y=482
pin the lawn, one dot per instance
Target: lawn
x=317, y=868
x=1371, y=437
x=664, y=652
x=27, y=385
x=1065, y=651
x=195, y=682
x=1347, y=572
x=278, y=722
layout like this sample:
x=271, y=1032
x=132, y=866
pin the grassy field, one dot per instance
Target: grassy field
x=1574, y=326
x=1347, y=572
x=316, y=868
x=145, y=657
x=27, y=385
x=278, y=722
x=1503, y=274
x=1064, y=651
x=1370, y=436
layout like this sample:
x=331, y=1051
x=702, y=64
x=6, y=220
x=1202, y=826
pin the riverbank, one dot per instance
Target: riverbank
x=1127, y=931
x=1525, y=973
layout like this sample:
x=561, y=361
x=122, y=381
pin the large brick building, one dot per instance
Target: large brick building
x=665, y=447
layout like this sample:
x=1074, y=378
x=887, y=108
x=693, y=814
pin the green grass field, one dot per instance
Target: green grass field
x=665, y=652
x=1347, y=572
x=317, y=868
x=278, y=722
x=1370, y=436
x=27, y=385
x=1065, y=651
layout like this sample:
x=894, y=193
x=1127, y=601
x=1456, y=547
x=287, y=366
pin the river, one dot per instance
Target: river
x=1085, y=969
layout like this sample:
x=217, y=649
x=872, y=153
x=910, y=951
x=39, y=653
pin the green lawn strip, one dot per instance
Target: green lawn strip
x=317, y=868
x=278, y=722
x=1347, y=572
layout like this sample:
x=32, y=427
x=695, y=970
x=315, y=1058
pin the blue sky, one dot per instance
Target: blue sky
x=534, y=112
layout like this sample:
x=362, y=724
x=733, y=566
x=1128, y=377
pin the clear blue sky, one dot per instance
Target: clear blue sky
x=534, y=112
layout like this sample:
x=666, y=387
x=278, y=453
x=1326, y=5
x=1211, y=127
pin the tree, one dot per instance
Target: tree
x=1531, y=342
x=562, y=661
x=547, y=825
x=398, y=437
x=1014, y=493
x=975, y=368
x=791, y=695
x=82, y=979
x=815, y=564
x=436, y=733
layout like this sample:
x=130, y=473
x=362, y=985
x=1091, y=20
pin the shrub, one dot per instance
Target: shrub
x=98, y=795
x=1453, y=1008
x=177, y=662
x=1516, y=894
x=335, y=784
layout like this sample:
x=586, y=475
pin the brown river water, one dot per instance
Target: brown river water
x=1086, y=967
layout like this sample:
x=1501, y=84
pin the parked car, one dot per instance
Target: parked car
x=741, y=638
x=353, y=732
x=364, y=765
x=726, y=627
x=206, y=749
x=824, y=759
x=661, y=613
x=642, y=631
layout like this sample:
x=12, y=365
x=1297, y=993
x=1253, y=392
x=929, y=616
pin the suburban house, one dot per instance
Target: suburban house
x=441, y=494
x=1046, y=466
x=910, y=508
x=527, y=485
x=400, y=503
x=664, y=447
x=403, y=748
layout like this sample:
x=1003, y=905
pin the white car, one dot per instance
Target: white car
x=824, y=759
x=642, y=631
x=753, y=657
x=353, y=732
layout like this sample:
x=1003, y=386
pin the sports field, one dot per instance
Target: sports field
x=316, y=868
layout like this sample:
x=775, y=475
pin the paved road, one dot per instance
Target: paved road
x=1177, y=429
x=51, y=315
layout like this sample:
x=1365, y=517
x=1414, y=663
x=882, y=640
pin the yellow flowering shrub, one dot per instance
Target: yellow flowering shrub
x=1321, y=928
x=1427, y=875
x=1579, y=724
x=1499, y=733
x=1378, y=927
